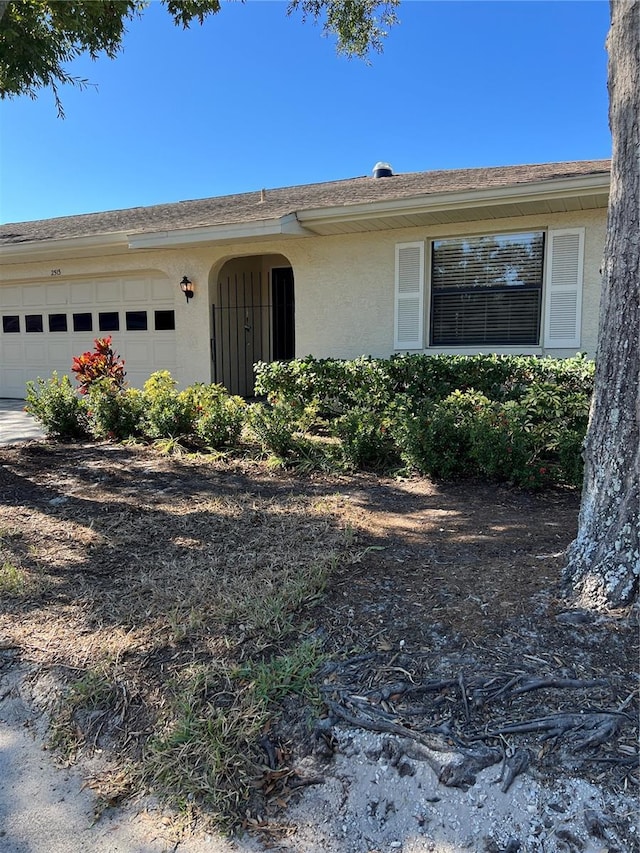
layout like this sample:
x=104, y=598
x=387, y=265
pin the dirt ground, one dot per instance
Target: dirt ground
x=448, y=645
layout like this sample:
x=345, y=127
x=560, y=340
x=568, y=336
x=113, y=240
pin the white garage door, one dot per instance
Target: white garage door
x=45, y=325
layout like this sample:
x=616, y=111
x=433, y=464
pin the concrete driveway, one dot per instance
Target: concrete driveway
x=15, y=424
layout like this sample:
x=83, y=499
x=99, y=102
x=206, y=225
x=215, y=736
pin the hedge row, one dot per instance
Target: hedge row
x=512, y=418
x=335, y=386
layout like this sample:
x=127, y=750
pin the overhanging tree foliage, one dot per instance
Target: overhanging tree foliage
x=604, y=560
x=39, y=37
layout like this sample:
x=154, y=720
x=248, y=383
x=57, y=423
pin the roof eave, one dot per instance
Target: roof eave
x=33, y=250
x=282, y=226
x=516, y=194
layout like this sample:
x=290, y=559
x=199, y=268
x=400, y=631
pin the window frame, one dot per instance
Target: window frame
x=474, y=347
x=34, y=324
x=9, y=320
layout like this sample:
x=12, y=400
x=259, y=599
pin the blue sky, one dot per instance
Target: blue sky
x=257, y=99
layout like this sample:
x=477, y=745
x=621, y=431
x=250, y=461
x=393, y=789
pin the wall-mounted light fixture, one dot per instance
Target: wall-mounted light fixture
x=186, y=286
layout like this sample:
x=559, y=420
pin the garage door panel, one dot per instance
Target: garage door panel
x=35, y=351
x=81, y=343
x=12, y=381
x=82, y=293
x=137, y=378
x=164, y=352
x=57, y=294
x=107, y=292
x=10, y=297
x=135, y=291
x=12, y=352
x=139, y=352
x=58, y=352
x=161, y=289
x=33, y=295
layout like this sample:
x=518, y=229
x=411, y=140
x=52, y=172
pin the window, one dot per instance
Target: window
x=136, y=321
x=83, y=322
x=108, y=321
x=57, y=322
x=165, y=321
x=10, y=323
x=33, y=322
x=487, y=290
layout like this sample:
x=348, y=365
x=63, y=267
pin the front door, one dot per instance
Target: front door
x=282, y=313
x=253, y=320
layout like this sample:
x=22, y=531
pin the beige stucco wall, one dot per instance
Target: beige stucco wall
x=344, y=285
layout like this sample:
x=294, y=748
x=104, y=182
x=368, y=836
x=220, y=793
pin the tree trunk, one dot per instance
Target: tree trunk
x=603, y=563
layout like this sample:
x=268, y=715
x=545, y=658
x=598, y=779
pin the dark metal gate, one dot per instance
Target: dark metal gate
x=251, y=324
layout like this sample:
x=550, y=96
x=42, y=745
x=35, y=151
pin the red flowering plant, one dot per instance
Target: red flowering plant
x=103, y=363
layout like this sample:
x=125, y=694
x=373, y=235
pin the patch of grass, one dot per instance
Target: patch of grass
x=10, y=534
x=170, y=609
x=13, y=580
x=217, y=563
x=292, y=673
x=84, y=703
x=268, y=610
x=170, y=446
x=207, y=755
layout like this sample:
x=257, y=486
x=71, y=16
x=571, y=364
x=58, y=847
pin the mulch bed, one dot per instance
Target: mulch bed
x=443, y=616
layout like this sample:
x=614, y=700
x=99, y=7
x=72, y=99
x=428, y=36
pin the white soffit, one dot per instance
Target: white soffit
x=546, y=196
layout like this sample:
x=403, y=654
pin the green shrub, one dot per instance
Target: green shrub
x=58, y=408
x=436, y=439
x=114, y=413
x=556, y=419
x=526, y=426
x=274, y=428
x=337, y=386
x=570, y=459
x=167, y=413
x=366, y=439
x=332, y=386
x=534, y=441
x=501, y=448
x=219, y=417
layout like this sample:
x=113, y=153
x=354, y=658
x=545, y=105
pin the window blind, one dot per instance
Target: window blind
x=487, y=290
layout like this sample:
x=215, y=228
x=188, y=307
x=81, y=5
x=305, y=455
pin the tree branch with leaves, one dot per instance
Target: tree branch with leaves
x=39, y=38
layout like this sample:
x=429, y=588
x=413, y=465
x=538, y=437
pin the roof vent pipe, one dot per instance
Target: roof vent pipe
x=382, y=170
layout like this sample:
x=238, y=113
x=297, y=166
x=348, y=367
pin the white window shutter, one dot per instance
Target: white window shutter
x=563, y=302
x=409, y=296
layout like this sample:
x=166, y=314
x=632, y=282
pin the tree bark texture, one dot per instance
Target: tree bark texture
x=603, y=563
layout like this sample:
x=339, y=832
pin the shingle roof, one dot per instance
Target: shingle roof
x=250, y=207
